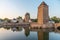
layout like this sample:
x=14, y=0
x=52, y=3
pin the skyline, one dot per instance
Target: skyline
x=15, y=8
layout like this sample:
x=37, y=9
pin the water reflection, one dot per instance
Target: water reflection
x=28, y=34
x=13, y=28
x=16, y=29
x=43, y=35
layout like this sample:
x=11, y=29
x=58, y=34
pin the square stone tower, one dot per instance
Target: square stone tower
x=43, y=16
x=27, y=17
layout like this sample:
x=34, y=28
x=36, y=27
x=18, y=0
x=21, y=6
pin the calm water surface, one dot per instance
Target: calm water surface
x=26, y=34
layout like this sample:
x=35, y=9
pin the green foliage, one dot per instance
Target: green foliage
x=1, y=19
x=6, y=19
x=55, y=19
x=34, y=20
x=19, y=17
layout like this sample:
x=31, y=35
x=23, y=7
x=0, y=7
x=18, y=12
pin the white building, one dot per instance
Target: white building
x=14, y=20
x=20, y=20
x=17, y=20
x=51, y=21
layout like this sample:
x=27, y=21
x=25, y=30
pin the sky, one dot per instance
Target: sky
x=14, y=8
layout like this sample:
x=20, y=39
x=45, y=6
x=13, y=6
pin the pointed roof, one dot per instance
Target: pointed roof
x=43, y=3
x=27, y=14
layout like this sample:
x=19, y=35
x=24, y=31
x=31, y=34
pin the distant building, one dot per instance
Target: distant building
x=14, y=20
x=43, y=16
x=27, y=17
x=20, y=20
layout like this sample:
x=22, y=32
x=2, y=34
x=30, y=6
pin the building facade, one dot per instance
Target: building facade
x=43, y=16
x=27, y=17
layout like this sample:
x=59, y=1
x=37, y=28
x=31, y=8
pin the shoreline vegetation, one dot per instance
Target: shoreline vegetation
x=54, y=18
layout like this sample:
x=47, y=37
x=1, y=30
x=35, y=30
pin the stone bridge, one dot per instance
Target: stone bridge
x=49, y=25
x=32, y=25
x=57, y=25
x=36, y=25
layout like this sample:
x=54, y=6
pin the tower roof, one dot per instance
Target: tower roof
x=43, y=3
x=27, y=13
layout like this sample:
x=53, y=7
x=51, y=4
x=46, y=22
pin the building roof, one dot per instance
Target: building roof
x=43, y=3
x=27, y=13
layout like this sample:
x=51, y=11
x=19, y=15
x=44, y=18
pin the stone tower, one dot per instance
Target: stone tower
x=43, y=16
x=27, y=17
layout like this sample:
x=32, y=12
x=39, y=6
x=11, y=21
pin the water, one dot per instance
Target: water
x=28, y=34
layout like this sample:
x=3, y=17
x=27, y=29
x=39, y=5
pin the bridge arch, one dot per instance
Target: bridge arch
x=58, y=27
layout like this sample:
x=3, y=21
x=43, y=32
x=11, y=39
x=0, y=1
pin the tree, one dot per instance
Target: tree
x=1, y=19
x=7, y=20
x=55, y=19
x=19, y=17
x=34, y=20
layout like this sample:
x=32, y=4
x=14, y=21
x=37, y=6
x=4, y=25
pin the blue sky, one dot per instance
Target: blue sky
x=15, y=8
